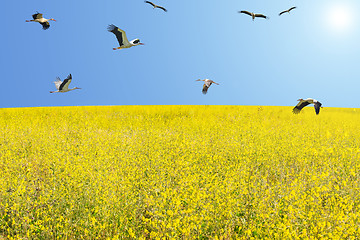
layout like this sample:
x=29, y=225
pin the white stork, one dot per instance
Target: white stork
x=254, y=15
x=38, y=17
x=122, y=39
x=63, y=86
x=287, y=11
x=304, y=102
x=207, y=84
x=156, y=6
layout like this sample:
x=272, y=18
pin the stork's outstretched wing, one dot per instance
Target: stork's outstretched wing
x=291, y=8
x=300, y=106
x=58, y=83
x=205, y=88
x=261, y=15
x=37, y=15
x=162, y=8
x=65, y=84
x=45, y=25
x=317, y=106
x=246, y=12
x=120, y=34
x=151, y=3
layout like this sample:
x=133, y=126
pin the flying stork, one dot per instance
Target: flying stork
x=122, y=39
x=63, y=86
x=304, y=102
x=38, y=17
x=207, y=84
x=287, y=11
x=254, y=15
x=156, y=6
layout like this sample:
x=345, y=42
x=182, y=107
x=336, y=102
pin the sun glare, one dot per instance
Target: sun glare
x=340, y=18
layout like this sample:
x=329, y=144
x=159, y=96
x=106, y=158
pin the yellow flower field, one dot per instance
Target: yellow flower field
x=179, y=172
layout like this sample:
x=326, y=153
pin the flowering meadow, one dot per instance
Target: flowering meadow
x=179, y=172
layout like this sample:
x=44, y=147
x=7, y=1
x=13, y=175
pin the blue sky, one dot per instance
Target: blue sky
x=264, y=62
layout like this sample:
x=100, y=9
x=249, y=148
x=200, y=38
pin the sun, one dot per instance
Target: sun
x=340, y=18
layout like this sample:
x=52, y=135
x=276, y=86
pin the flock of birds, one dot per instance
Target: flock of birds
x=63, y=86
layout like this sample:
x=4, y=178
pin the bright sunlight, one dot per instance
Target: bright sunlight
x=339, y=18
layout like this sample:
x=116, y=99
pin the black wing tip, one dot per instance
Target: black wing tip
x=46, y=25
x=296, y=110
x=111, y=27
x=35, y=15
x=69, y=76
x=317, y=107
x=205, y=90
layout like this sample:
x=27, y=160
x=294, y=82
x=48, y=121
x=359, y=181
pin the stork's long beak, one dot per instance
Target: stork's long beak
x=141, y=44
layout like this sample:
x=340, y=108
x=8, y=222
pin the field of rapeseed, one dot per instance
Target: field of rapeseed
x=180, y=172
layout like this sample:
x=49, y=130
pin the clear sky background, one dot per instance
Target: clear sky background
x=312, y=52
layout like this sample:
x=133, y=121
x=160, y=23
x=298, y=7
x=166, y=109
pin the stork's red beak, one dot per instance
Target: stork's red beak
x=141, y=44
